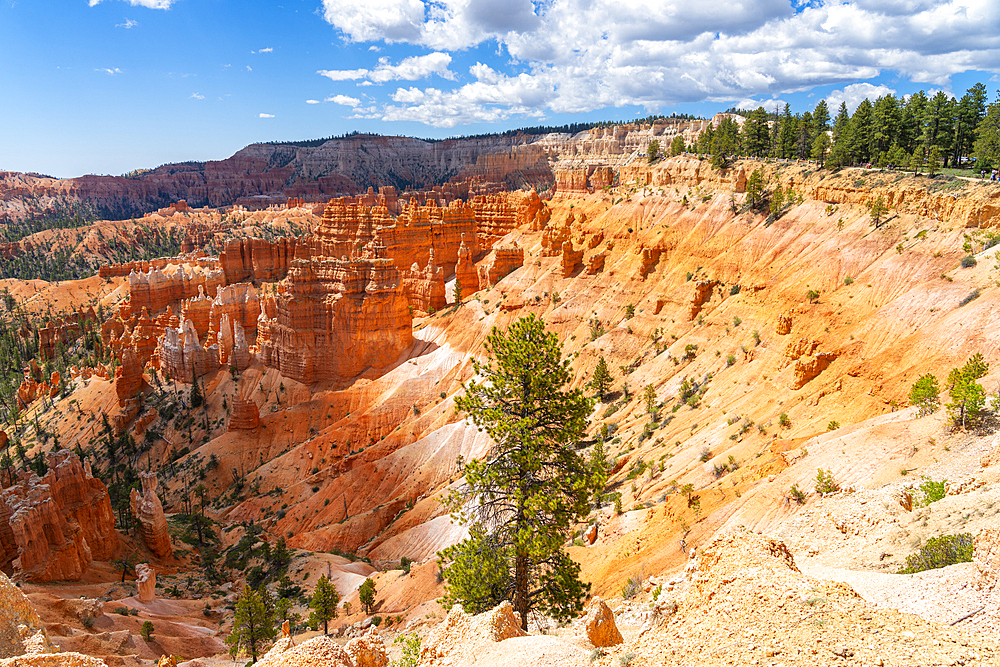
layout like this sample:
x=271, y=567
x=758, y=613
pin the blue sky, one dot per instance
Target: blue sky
x=106, y=86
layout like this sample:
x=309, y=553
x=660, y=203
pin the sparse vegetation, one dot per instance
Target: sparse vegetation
x=940, y=552
x=825, y=483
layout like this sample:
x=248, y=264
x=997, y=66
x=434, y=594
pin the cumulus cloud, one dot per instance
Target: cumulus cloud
x=267, y=50
x=573, y=56
x=408, y=69
x=111, y=71
x=266, y=115
x=128, y=25
x=344, y=99
x=312, y=101
x=197, y=96
x=150, y=4
x=854, y=94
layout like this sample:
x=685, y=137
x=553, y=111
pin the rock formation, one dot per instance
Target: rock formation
x=245, y=415
x=505, y=259
x=239, y=302
x=784, y=325
x=367, y=650
x=461, y=636
x=145, y=581
x=808, y=367
x=335, y=317
x=554, y=236
x=318, y=651
x=570, y=259
x=650, y=257
x=256, y=259
x=182, y=355
x=986, y=556
x=465, y=270
x=61, y=522
x=15, y=612
x=156, y=290
x=128, y=377
x=148, y=511
x=702, y=293
x=424, y=288
x=198, y=311
x=599, y=624
x=595, y=263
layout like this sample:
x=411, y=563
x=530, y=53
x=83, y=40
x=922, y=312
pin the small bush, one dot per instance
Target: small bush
x=596, y=654
x=625, y=659
x=848, y=280
x=706, y=454
x=968, y=261
x=833, y=425
x=970, y=297
x=932, y=491
x=925, y=394
x=632, y=587
x=120, y=610
x=734, y=290
x=88, y=621
x=730, y=360
x=797, y=495
x=812, y=295
x=784, y=421
x=940, y=552
x=147, y=630
x=376, y=620
x=825, y=483
x=629, y=311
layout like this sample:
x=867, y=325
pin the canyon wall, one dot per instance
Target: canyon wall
x=61, y=522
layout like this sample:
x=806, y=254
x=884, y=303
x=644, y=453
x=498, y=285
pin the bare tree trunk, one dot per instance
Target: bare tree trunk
x=521, y=584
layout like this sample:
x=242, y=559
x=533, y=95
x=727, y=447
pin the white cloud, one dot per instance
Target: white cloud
x=854, y=94
x=129, y=23
x=112, y=71
x=249, y=69
x=343, y=74
x=408, y=69
x=266, y=115
x=267, y=50
x=150, y=4
x=197, y=96
x=312, y=101
x=344, y=99
x=576, y=55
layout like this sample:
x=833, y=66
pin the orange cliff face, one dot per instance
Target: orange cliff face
x=336, y=317
x=59, y=523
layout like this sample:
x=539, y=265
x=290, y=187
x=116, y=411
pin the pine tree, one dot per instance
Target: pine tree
x=677, y=145
x=366, y=596
x=602, y=379
x=253, y=625
x=653, y=151
x=531, y=488
x=324, y=603
x=649, y=397
x=197, y=398
x=458, y=291
x=968, y=398
x=987, y=145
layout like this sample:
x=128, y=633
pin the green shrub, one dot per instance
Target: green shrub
x=147, y=630
x=968, y=261
x=940, y=552
x=833, y=425
x=797, y=495
x=925, y=394
x=825, y=483
x=632, y=587
x=932, y=491
x=784, y=421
